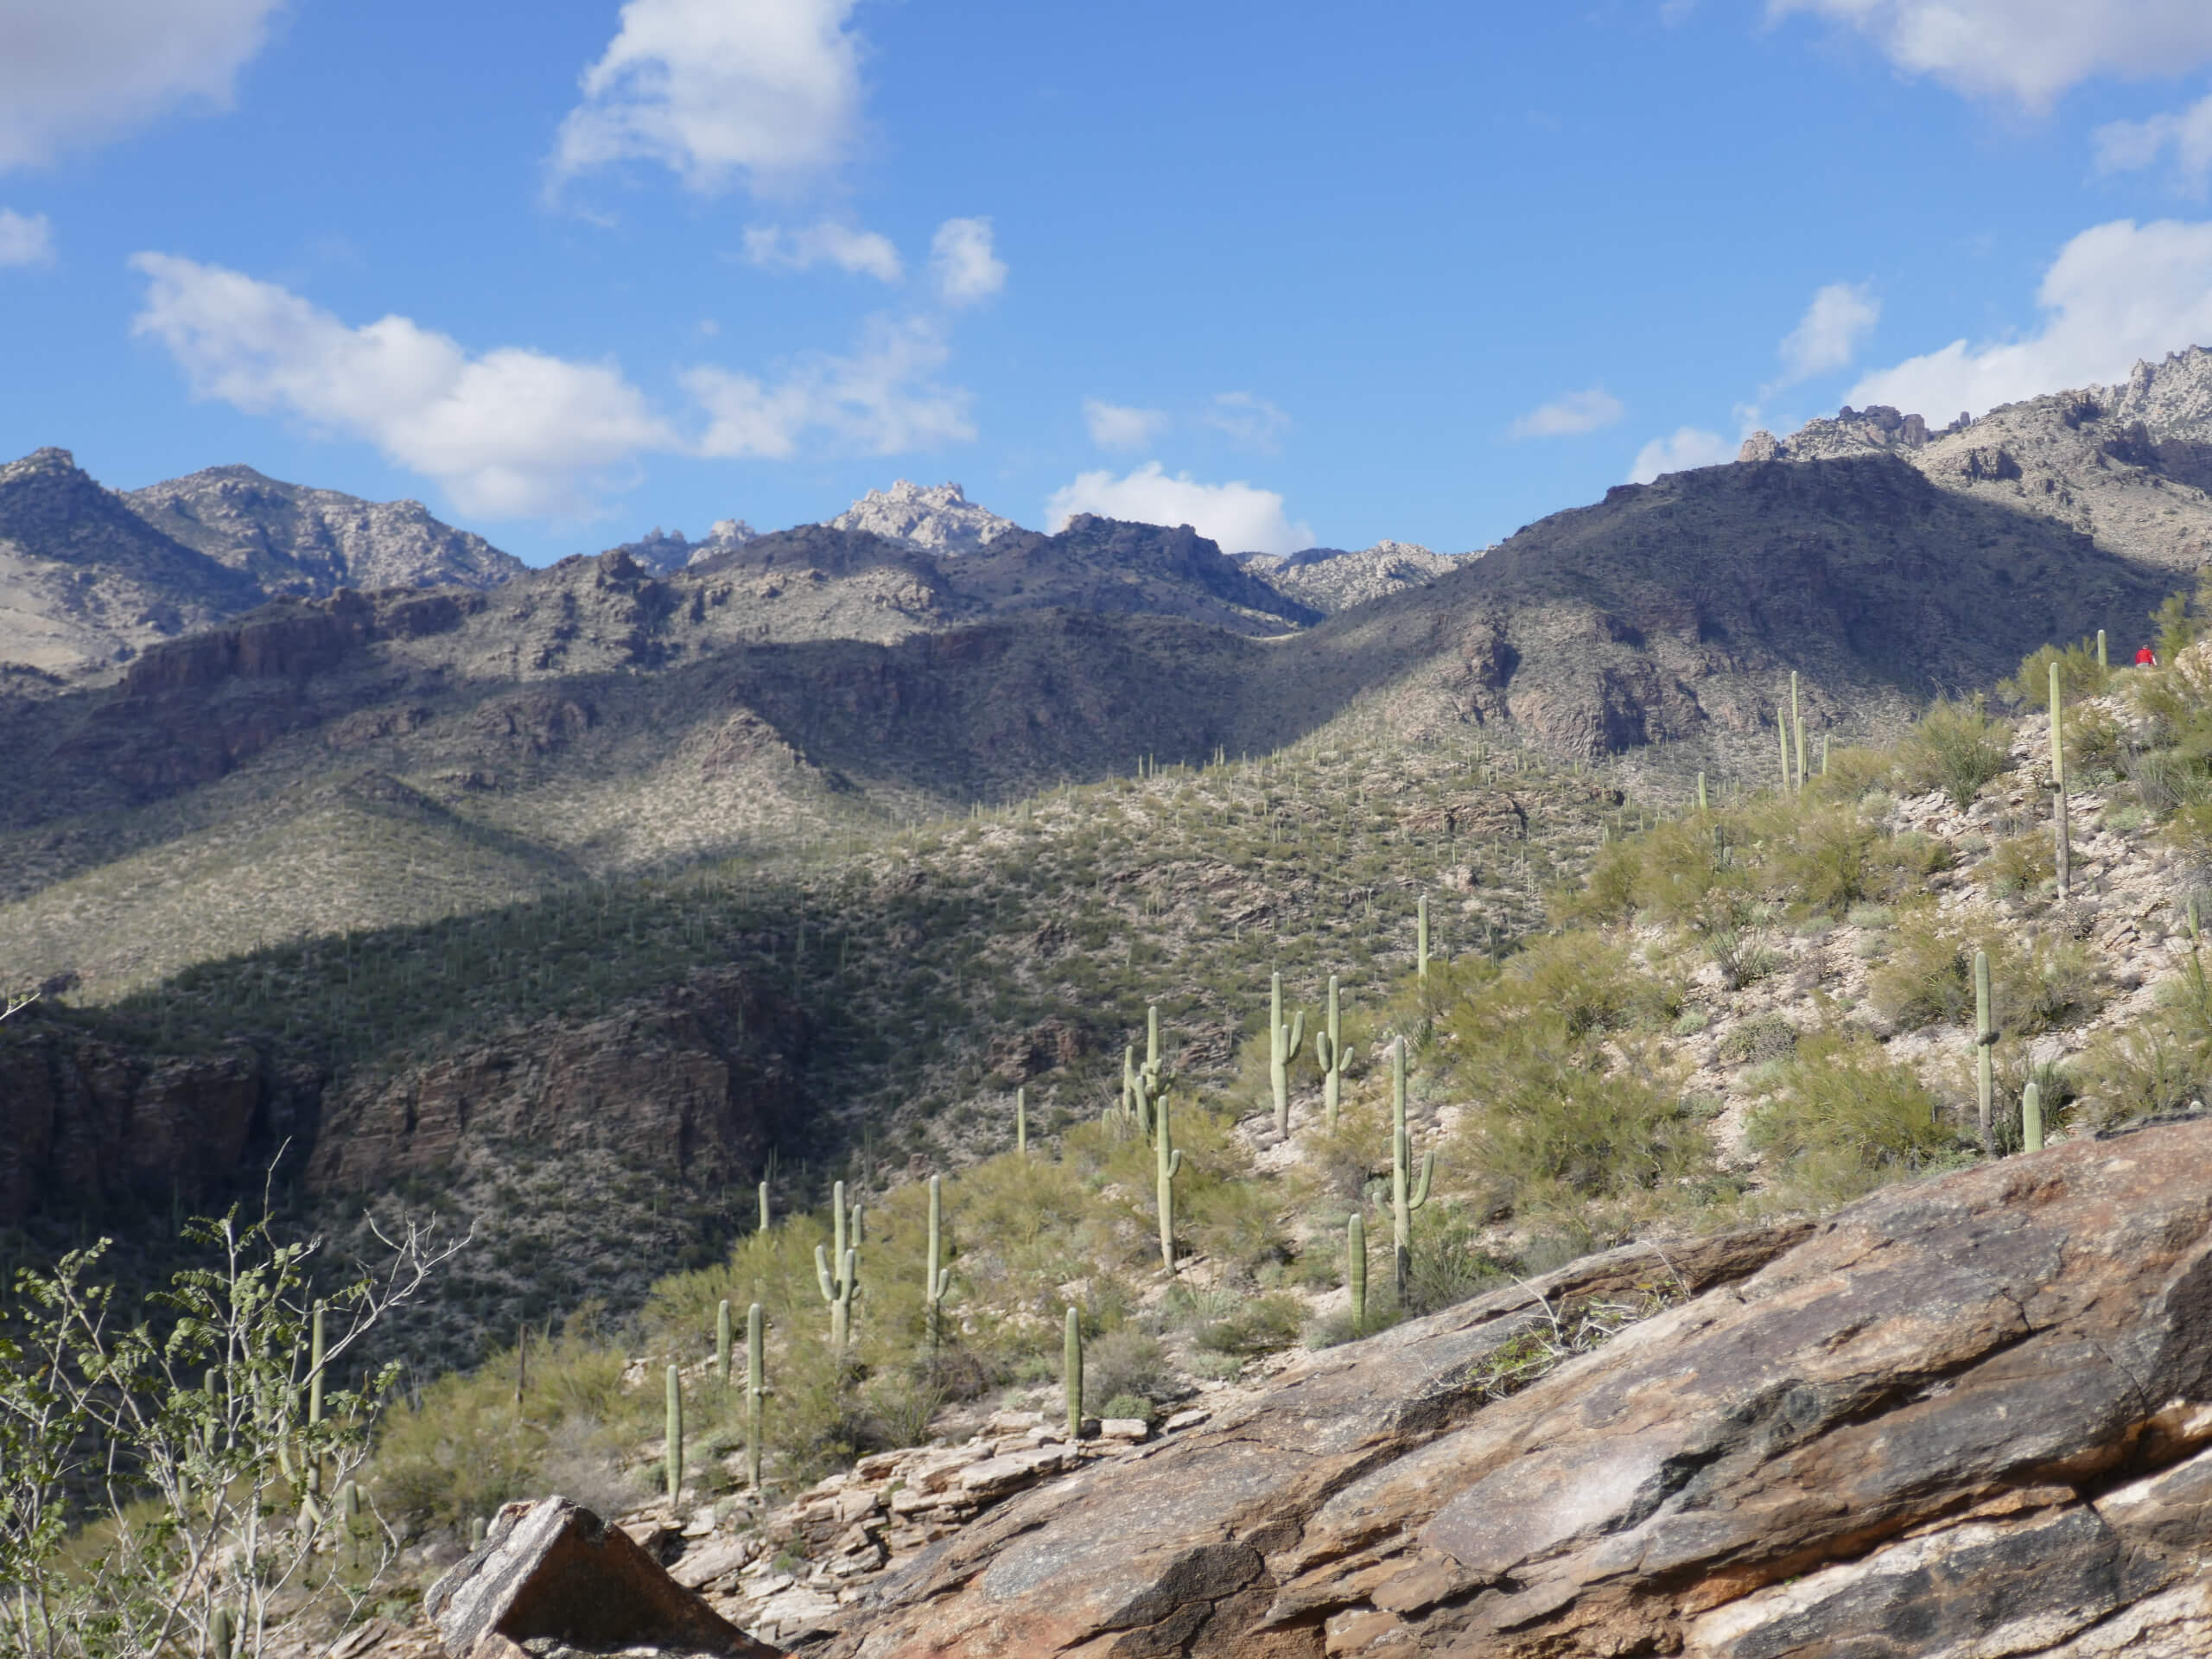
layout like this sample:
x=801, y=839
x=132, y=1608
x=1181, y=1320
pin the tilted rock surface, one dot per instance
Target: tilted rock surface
x=1967, y=1416
x=935, y=518
x=291, y=538
x=1330, y=580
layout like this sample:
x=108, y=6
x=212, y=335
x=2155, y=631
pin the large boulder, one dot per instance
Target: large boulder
x=1965, y=1416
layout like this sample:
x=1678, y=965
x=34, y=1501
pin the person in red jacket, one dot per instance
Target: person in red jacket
x=2147, y=658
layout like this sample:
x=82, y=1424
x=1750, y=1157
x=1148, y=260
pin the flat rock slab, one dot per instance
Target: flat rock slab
x=553, y=1571
x=1962, y=1418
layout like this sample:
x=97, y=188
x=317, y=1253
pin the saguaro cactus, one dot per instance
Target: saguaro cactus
x=837, y=1286
x=936, y=1279
x=1700, y=792
x=1071, y=1373
x=1022, y=1121
x=2058, y=783
x=764, y=1206
x=756, y=1391
x=1782, y=736
x=2032, y=1118
x=1168, y=1165
x=1798, y=726
x=1329, y=1055
x=1406, y=1194
x=1421, y=937
x=721, y=1340
x=1985, y=1040
x=675, y=1433
x=1283, y=1044
x=222, y=1635
x=1355, y=1271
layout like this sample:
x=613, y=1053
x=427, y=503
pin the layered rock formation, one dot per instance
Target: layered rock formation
x=1969, y=1416
x=936, y=517
x=294, y=539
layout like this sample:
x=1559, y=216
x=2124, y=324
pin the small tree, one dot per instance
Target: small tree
x=192, y=1470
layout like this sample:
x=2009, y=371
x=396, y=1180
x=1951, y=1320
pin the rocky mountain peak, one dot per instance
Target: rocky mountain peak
x=2172, y=398
x=663, y=552
x=1332, y=579
x=936, y=517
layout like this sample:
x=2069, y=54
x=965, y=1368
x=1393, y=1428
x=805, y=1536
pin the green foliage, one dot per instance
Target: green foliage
x=1929, y=977
x=2020, y=864
x=2079, y=676
x=1955, y=747
x=2152, y=1065
x=1846, y=1118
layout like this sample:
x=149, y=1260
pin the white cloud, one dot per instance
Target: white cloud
x=961, y=263
x=879, y=399
x=1685, y=447
x=2124, y=145
x=1117, y=426
x=507, y=433
x=2116, y=293
x=25, y=239
x=75, y=72
x=1570, y=416
x=1251, y=422
x=775, y=247
x=2029, y=50
x=1239, y=516
x=711, y=88
x=1829, y=336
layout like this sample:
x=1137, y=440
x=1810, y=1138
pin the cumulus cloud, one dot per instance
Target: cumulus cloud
x=2123, y=146
x=1570, y=416
x=1117, y=426
x=1252, y=422
x=961, y=263
x=1241, y=518
x=25, y=239
x=2116, y=293
x=714, y=89
x=2027, y=50
x=880, y=398
x=1678, y=452
x=1829, y=336
x=775, y=247
x=74, y=73
x=507, y=433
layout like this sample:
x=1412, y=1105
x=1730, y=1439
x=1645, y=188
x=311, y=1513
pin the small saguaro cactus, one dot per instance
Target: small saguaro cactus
x=2064, y=851
x=1421, y=937
x=1356, y=1270
x=840, y=1275
x=309, y=1452
x=1283, y=1044
x=1329, y=1055
x=1985, y=1040
x=675, y=1433
x=1071, y=1373
x=349, y=1510
x=222, y=1635
x=476, y=1528
x=1022, y=1121
x=1700, y=792
x=936, y=1278
x=756, y=1391
x=2032, y=1118
x=1168, y=1164
x=1406, y=1194
x=1782, y=736
x=2100, y=650
x=722, y=1340
x=764, y=1217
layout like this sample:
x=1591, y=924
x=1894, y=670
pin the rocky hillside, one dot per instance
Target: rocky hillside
x=935, y=518
x=2128, y=466
x=1329, y=579
x=297, y=541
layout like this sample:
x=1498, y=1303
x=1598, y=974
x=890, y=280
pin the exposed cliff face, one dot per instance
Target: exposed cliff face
x=1969, y=1416
x=696, y=1084
x=936, y=518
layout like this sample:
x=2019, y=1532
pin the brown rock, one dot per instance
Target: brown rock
x=1969, y=1416
x=552, y=1569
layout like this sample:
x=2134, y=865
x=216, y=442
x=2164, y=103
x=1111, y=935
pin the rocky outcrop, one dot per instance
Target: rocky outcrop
x=293, y=539
x=1969, y=1416
x=83, y=1120
x=664, y=552
x=1330, y=580
x=936, y=518
x=695, y=1082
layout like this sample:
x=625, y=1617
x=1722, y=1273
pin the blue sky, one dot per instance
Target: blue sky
x=1321, y=273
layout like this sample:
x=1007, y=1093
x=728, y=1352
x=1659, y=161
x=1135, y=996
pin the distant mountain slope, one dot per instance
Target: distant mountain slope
x=936, y=517
x=294, y=539
x=2129, y=465
x=1329, y=579
x=85, y=581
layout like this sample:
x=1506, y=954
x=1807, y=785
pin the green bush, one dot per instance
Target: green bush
x=1957, y=748
x=2079, y=676
x=1846, y=1119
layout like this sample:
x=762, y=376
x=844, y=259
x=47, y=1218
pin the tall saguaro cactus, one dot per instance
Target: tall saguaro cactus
x=1168, y=1164
x=2058, y=783
x=722, y=1341
x=1022, y=1121
x=1356, y=1270
x=675, y=1433
x=1420, y=937
x=1985, y=1040
x=764, y=1217
x=1406, y=1194
x=1283, y=1044
x=1071, y=1373
x=936, y=1278
x=837, y=1286
x=1329, y=1055
x=1782, y=736
x=1797, y=726
x=756, y=1390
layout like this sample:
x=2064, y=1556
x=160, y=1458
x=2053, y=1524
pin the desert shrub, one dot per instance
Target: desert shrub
x=2156, y=1065
x=1844, y=1119
x=1447, y=1263
x=1259, y=1325
x=1130, y=1406
x=1853, y=773
x=2096, y=743
x=1734, y=929
x=1834, y=857
x=2020, y=864
x=1955, y=747
x=2079, y=676
x=1928, y=978
x=1587, y=983
x=1764, y=1037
